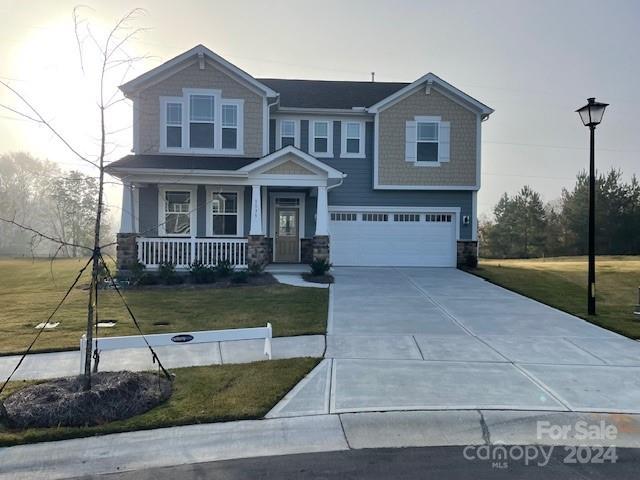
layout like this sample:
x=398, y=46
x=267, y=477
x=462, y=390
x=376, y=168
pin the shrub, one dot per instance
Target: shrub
x=241, y=276
x=320, y=266
x=137, y=270
x=168, y=275
x=224, y=267
x=255, y=268
x=201, y=273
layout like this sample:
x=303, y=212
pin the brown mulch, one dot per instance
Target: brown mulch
x=326, y=278
x=225, y=282
x=63, y=402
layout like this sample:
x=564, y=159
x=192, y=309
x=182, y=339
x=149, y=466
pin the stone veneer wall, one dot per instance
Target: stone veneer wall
x=467, y=253
x=126, y=250
x=258, y=249
x=320, y=247
x=306, y=250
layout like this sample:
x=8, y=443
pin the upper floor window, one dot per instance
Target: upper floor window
x=229, y=126
x=321, y=138
x=352, y=139
x=427, y=142
x=202, y=121
x=287, y=133
x=173, y=132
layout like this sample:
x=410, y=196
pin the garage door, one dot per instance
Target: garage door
x=393, y=239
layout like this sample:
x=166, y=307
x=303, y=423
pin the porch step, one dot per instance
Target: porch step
x=287, y=268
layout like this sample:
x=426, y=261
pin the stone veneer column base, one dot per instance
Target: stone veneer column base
x=126, y=250
x=320, y=247
x=258, y=249
x=467, y=253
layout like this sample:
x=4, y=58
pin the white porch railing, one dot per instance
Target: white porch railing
x=182, y=252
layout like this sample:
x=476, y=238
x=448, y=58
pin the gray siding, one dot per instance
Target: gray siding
x=201, y=213
x=310, y=205
x=272, y=135
x=304, y=135
x=149, y=211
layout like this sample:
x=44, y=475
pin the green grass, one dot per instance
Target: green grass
x=200, y=395
x=562, y=283
x=28, y=293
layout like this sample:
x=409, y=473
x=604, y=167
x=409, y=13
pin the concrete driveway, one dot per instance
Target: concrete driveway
x=434, y=338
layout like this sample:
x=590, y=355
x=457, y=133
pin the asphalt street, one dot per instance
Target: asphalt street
x=449, y=463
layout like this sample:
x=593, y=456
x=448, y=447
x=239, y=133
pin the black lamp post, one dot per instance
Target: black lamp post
x=591, y=115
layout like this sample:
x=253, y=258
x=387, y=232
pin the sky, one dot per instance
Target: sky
x=534, y=62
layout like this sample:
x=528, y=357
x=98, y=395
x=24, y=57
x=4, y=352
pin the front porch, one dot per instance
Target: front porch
x=274, y=210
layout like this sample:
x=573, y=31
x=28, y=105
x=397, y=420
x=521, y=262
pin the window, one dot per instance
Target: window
x=224, y=209
x=344, y=217
x=375, y=217
x=437, y=217
x=173, y=127
x=321, y=138
x=406, y=217
x=427, y=142
x=287, y=133
x=177, y=212
x=229, y=126
x=352, y=139
x=202, y=121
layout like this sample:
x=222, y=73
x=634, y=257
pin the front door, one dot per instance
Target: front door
x=287, y=239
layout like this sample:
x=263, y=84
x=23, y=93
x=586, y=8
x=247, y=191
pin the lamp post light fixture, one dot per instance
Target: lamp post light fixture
x=591, y=116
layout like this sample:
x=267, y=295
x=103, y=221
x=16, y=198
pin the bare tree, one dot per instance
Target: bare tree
x=112, y=57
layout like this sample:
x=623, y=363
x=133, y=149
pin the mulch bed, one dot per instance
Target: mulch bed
x=326, y=278
x=63, y=402
x=252, y=281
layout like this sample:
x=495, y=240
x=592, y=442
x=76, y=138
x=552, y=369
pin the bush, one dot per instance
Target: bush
x=320, y=266
x=255, y=268
x=224, y=268
x=137, y=270
x=168, y=275
x=201, y=273
x=241, y=276
x=147, y=279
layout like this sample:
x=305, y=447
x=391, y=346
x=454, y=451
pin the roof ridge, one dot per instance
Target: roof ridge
x=330, y=81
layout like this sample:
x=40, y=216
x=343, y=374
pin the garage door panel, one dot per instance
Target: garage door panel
x=390, y=243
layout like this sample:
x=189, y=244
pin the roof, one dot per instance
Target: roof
x=181, y=162
x=329, y=93
x=199, y=51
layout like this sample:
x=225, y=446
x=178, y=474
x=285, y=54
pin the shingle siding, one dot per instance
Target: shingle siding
x=392, y=167
x=148, y=105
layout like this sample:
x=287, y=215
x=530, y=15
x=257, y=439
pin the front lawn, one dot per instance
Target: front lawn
x=200, y=395
x=28, y=294
x=562, y=283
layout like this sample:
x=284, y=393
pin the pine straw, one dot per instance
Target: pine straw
x=62, y=402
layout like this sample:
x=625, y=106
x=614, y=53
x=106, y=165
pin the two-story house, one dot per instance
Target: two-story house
x=226, y=165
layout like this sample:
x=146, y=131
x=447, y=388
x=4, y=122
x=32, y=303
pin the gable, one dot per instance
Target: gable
x=201, y=55
x=289, y=167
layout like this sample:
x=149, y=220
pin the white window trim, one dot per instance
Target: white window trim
x=163, y=124
x=239, y=103
x=186, y=120
x=193, y=202
x=427, y=119
x=329, y=152
x=211, y=189
x=296, y=132
x=343, y=141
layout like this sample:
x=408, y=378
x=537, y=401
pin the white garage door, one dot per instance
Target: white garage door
x=393, y=239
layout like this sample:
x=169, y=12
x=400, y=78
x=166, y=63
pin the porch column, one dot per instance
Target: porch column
x=321, y=238
x=322, y=213
x=127, y=247
x=256, y=211
x=127, y=223
x=257, y=245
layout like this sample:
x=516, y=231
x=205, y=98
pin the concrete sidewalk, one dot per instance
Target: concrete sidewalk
x=245, y=439
x=61, y=364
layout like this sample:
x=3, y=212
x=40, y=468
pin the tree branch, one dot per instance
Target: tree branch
x=44, y=235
